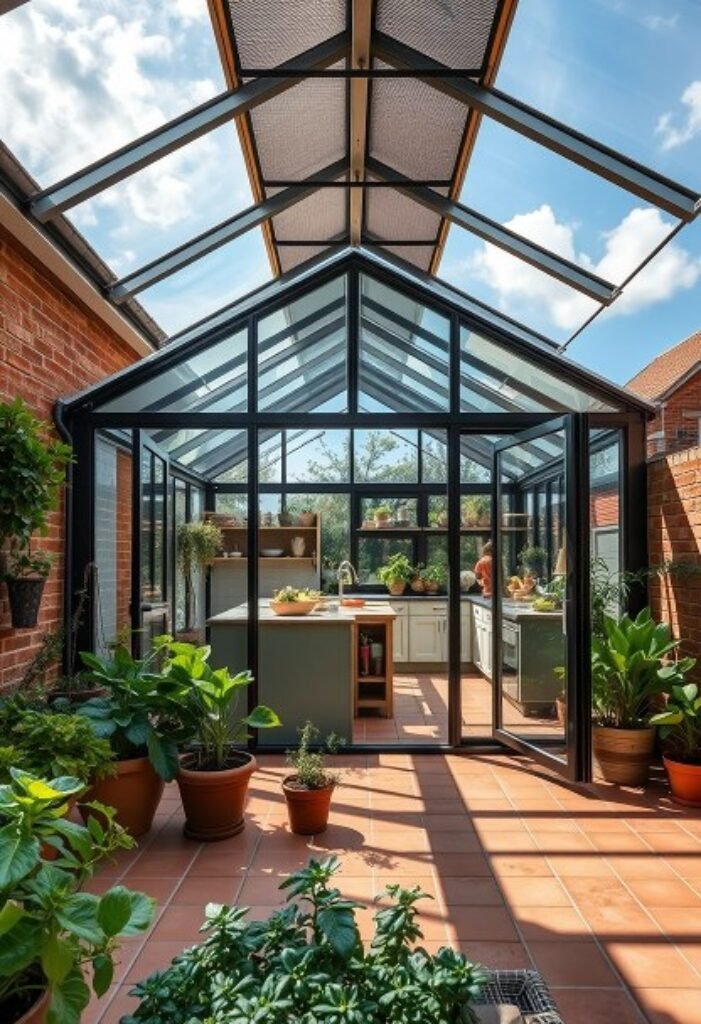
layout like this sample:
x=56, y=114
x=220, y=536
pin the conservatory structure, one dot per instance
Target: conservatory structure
x=351, y=387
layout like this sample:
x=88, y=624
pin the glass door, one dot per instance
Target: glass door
x=540, y=611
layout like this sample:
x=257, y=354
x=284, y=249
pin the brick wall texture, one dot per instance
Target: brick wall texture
x=674, y=535
x=50, y=346
x=677, y=420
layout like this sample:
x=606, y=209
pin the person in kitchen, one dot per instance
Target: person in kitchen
x=484, y=569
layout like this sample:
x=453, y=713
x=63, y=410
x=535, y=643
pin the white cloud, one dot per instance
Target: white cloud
x=660, y=22
x=625, y=246
x=675, y=130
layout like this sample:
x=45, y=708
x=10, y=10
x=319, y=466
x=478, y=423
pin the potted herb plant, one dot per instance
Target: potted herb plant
x=32, y=471
x=287, y=515
x=435, y=577
x=476, y=510
x=533, y=560
x=307, y=517
x=143, y=715
x=198, y=544
x=382, y=515
x=629, y=669
x=396, y=573
x=680, y=729
x=418, y=581
x=53, y=936
x=309, y=788
x=214, y=772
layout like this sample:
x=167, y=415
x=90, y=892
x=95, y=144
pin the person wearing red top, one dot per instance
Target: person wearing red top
x=483, y=570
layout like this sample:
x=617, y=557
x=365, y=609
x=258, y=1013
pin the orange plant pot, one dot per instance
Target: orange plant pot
x=308, y=809
x=684, y=782
x=36, y=1014
x=214, y=802
x=134, y=792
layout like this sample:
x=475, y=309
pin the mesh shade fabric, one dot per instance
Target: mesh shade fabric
x=454, y=32
x=271, y=32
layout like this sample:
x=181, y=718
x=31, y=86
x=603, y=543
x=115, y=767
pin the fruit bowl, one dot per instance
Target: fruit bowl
x=293, y=607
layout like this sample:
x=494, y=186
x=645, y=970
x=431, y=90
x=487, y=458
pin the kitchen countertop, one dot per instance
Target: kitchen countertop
x=380, y=609
x=514, y=610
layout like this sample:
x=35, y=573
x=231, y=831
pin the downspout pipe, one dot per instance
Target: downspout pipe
x=61, y=419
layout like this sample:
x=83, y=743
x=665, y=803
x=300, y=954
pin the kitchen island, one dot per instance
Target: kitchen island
x=308, y=664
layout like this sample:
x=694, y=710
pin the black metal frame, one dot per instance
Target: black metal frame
x=82, y=417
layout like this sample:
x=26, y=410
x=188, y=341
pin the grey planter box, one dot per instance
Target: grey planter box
x=525, y=989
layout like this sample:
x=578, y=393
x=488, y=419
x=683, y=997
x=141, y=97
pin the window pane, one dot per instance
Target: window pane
x=159, y=528
x=302, y=353
x=434, y=457
x=318, y=456
x=374, y=552
x=235, y=505
x=179, y=517
x=404, y=352
x=383, y=456
x=402, y=511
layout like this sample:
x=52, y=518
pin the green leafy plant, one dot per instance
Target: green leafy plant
x=307, y=963
x=198, y=543
x=208, y=699
x=24, y=563
x=476, y=510
x=47, y=743
x=382, y=512
x=32, y=470
x=680, y=722
x=309, y=765
x=51, y=934
x=436, y=573
x=533, y=559
x=293, y=595
x=630, y=666
x=397, y=569
x=143, y=711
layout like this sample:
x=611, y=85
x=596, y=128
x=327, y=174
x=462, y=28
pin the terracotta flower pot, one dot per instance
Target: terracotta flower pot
x=307, y=518
x=134, y=792
x=418, y=586
x=684, y=782
x=36, y=1014
x=308, y=809
x=396, y=588
x=623, y=755
x=214, y=801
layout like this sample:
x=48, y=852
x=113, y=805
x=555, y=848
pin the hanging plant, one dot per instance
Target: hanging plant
x=199, y=543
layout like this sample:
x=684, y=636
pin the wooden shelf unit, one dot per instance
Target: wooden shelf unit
x=374, y=692
x=236, y=538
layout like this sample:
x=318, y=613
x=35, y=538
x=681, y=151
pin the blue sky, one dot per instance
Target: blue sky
x=624, y=71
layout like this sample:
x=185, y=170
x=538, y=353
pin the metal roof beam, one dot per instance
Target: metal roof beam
x=361, y=31
x=214, y=238
x=491, y=231
x=573, y=145
x=171, y=136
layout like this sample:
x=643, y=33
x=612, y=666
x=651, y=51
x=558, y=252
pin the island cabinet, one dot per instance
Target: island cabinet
x=421, y=631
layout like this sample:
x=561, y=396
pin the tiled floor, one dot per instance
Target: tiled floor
x=600, y=889
x=421, y=712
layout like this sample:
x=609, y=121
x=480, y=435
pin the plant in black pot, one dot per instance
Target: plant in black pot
x=53, y=936
x=630, y=668
x=198, y=544
x=214, y=770
x=308, y=790
x=32, y=472
x=143, y=714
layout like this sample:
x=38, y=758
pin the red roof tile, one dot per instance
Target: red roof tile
x=659, y=377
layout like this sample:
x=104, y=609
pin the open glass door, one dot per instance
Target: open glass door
x=540, y=606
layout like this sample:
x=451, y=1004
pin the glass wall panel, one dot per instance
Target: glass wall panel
x=605, y=448
x=317, y=456
x=373, y=552
x=382, y=456
x=434, y=457
x=404, y=352
x=179, y=589
x=302, y=353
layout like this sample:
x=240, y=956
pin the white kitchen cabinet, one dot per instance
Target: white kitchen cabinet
x=482, y=626
x=465, y=632
x=428, y=635
x=400, y=638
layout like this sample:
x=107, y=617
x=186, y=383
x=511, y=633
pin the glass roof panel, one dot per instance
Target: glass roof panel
x=212, y=380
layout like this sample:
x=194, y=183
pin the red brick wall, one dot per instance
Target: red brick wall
x=674, y=535
x=50, y=346
x=680, y=431
x=603, y=508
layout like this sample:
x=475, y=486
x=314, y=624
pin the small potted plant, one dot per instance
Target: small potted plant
x=679, y=726
x=396, y=573
x=629, y=670
x=418, y=581
x=287, y=515
x=309, y=788
x=435, y=577
x=198, y=544
x=214, y=771
x=294, y=601
x=26, y=578
x=533, y=560
x=476, y=510
x=382, y=516
x=143, y=715
x=32, y=472
x=307, y=517
x=54, y=937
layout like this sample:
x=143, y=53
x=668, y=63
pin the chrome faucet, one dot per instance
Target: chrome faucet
x=345, y=573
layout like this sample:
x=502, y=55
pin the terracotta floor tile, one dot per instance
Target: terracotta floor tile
x=520, y=864
x=508, y=842
x=155, y=956
x=160, y=865
x=579, y=865
x=454, y=842
x=596, y=1006
x=488, y=924
x=179, y=922
x=620, y=921
x=674, y=842
x=670, y=1005
x=160, y=889
x=450, y=865
x=121, y=1004
x=652, y=964
x=216, y=862
x=471, y=892
x=664, y=892
x=578, y=963
x=678, y=923
x=197, y=891
x=447, y=823
x=641, y=866
x=499, y=956
x=619, y=843
x=534, y=892
x=589, y=891
x=550, y=924
x=562, y=842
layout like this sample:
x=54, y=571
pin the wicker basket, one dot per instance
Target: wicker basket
x=525, y=989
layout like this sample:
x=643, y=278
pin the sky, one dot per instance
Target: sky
x=626, y=72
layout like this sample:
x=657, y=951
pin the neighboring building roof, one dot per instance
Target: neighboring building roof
x=668, y=370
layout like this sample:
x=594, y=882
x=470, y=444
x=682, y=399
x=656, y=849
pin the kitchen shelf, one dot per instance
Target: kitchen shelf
x=273, y=529
x=263, y=558
x=371, y=679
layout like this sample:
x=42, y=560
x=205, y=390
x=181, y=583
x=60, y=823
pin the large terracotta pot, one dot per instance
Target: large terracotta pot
x=308, y=809
x=36, y=1014
x=684, y=781
x=214, y=801
x=623, y=755
x=134, y=792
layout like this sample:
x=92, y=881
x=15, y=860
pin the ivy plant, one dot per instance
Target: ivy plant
x=307, y=963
